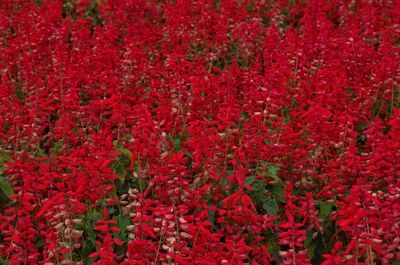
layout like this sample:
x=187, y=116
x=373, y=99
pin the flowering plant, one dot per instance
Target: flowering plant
x=199, y=132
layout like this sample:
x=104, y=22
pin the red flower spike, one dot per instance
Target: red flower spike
x=216, y=123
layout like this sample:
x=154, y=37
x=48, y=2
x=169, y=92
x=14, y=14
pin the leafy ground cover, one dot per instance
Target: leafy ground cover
x=199, y=132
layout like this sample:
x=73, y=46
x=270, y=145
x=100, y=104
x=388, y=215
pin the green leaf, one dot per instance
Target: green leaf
x=273, y=246
x=5, y=262
x=6, y=187
x=244, y=115
x=120, y=149
x=224, y=183
x=249, y=180
x=88, y=247
x=3, y=200
x=309, y=239
x=177, y=143
x=257, y=185
x=277, y=191
x=125, y=152
x=211, y=217
x=123, y=222
x=120, y=171
x=57, y=147
x=122, y=161
x=39, y=242
x=270, y=205
x=120, y=166
x=190, y=159
x=90, y=219
x=121, y=187
x=4, y=158
x=273, y=172
x=325, y=209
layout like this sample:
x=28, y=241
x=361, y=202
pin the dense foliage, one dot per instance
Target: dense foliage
x=200, y=132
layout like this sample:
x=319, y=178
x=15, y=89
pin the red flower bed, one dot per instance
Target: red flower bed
x=199, y=132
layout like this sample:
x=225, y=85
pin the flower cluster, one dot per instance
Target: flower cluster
x=199, y=132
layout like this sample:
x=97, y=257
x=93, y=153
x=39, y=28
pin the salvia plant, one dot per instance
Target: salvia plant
x=200, y=132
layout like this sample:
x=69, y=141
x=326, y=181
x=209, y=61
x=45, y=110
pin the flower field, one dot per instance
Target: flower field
x=200, y=132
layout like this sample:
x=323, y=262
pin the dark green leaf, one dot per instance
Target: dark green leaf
x=177, y=143
x=244, y=115
x=325, y=209
x=120, y=166
x=5, y=262
x=270, y=206
x=277, y=191
x=123, y=222
x=120, y=149
x=6, y=187
x=273, y=172
x=57, y=147
x=250, y=180
x=88, y=247
x=211, y=216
